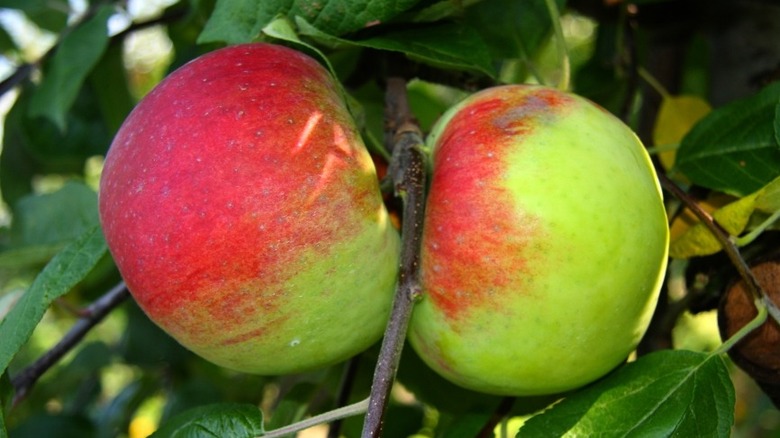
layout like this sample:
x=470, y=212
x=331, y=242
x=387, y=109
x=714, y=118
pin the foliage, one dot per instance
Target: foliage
x=128, y=378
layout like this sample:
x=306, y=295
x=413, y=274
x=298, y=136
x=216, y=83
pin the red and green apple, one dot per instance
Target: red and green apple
x=544, y=244
x=244, y=213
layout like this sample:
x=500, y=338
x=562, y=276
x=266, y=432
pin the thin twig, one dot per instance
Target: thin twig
x=407, y=169
x=91, y=316
x=340, y=413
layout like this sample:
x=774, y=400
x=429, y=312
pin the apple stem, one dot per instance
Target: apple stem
x=560, y=43
x=407, y=170
x=727, y=242
x=91, y=316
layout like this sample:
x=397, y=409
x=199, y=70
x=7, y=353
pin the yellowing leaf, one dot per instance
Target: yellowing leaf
x=768, y=200
x=690, y=238
x=699, y=241
x=676, y=117
x=686, y=219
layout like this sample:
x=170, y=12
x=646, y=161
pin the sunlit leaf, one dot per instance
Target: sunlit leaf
x=698, y=240
x=734, y=149
x=768, y=199
x=676, y=117
x=281, y=29
x=59, y=276
x=216, y=420
x=670, y=393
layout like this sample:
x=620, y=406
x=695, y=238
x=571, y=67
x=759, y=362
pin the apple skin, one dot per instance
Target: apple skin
x=244, y=213
x=544, y=244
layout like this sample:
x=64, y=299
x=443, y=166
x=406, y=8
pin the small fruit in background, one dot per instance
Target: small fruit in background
x=758, y=354
x=544, y=245
x=244, y=213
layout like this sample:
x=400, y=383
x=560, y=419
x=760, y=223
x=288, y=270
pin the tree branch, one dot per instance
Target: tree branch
x=91, y=316
x=407, y=170
x=727, y=243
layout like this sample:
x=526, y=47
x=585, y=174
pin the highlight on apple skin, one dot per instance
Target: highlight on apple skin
x=244, y=213
x=544, y=244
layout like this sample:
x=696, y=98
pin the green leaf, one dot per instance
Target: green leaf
x=54, y=218
x=512, y=28
x=446, y=45
x=59, y=276
x=734, y=149
x=215, y=420
x=109, y=82
x=240, y=21
x=76, y=55
x=670, y=393
x=281, y=29
x=189, y=394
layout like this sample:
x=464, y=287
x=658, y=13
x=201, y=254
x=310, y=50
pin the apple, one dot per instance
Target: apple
x=244, y=213
x=544, y=243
